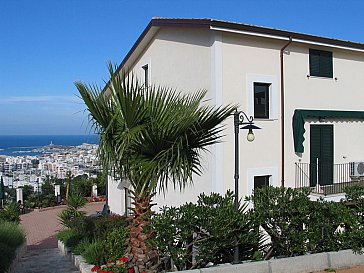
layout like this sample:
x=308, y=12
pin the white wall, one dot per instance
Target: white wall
x=226, y=64
x=302, y=92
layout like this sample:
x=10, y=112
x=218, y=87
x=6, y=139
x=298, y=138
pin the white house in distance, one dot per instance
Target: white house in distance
x=304, y=91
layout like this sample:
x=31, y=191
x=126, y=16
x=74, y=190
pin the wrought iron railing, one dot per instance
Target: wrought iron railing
x=326, y=179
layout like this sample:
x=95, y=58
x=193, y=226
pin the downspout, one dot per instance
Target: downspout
x=282, y=110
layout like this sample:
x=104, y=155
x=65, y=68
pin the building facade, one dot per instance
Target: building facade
x=304, y=91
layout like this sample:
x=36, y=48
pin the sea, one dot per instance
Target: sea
x=20, y=145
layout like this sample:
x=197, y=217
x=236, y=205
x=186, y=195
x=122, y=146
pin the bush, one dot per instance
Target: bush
x=11, y=213
x=81, y=246
x=95, y=252
x=84, y=225
x=327, y=226
x=205, y=232
x=11, y=234
x=11, y=237
x=355, y=203
x=74, y=203
x=7, y=255
x=105, y=224
x=283, y=213
x=116, y=243
x=70, y=237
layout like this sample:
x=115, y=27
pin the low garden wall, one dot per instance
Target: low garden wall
x=299, y=264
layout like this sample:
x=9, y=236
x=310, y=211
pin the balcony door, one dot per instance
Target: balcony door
x=321, y=149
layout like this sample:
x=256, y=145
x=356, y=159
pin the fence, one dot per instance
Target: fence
x=326, y=179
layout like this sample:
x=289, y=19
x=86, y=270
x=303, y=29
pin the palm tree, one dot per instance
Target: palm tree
x=68, y=183
x=153, y=137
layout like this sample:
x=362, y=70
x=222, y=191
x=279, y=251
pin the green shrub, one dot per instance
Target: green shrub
x=116, y=243
x=355, y=203
x=84, y=225
x=74, y=203
x=11, y=212
x=70, y=237
x=97, y=227
x=283, y=213
x=11, y=236
x=95, y=252
x=81, y=246
x=7, y=255
x=105, y=224
x=328, y=226
x=211, y=226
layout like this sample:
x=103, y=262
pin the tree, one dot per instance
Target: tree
x=153, y=137
x=27, y=191
x=82, y=185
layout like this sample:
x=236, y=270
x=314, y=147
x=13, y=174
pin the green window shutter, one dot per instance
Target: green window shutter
x=321, y=63
x=326, y=64
x=327, y=144
x=315, y=149
x=314, y=63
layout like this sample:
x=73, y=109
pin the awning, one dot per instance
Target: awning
x=298, y=122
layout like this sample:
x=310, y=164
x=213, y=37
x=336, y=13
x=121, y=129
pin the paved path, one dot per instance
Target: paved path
x=42, y=255
x=45, y=261
x=42, y=226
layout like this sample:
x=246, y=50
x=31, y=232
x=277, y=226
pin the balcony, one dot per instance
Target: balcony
x=326, y=179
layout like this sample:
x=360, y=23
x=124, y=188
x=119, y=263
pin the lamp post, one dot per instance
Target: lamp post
x=240, y=118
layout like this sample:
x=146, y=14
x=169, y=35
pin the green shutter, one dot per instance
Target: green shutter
x=315, y=144
x=314, y=63
x=321, y=147
x=326, y=64
x=321, y=63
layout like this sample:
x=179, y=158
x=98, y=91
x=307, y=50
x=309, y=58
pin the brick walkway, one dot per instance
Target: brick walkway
x=42, y=255
x=42, y=226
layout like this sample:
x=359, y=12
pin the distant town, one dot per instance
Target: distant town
x=52, y=161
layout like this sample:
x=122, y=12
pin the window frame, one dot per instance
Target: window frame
x=267, y=94
x=274, y=105
x=267, y=178
x=273, y=172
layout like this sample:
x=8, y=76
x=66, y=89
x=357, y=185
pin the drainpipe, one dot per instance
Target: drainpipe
x=282, y=110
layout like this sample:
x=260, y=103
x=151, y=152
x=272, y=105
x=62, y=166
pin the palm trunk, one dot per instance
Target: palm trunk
x=140, y=254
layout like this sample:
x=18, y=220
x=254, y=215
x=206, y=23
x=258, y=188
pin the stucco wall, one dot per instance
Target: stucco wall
x=343, y=93
x=226, y=64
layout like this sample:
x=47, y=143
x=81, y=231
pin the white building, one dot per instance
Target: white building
x=273, y=75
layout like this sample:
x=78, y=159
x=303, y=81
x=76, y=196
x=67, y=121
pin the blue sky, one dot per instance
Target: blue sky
x=45, y=45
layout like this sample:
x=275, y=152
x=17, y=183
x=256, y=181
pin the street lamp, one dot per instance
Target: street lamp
x=240, y=118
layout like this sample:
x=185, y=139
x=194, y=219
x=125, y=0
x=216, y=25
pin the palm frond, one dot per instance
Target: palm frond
x=153, y=136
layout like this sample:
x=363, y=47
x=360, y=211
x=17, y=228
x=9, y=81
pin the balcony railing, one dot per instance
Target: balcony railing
x=326, y=179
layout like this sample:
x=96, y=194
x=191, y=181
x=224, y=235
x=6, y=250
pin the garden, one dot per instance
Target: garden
x=282, y=222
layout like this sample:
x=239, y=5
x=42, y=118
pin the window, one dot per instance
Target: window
x=321, y=63
x=261, y=100
x=269, y=84
x=261, y=181
x=145, y=68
